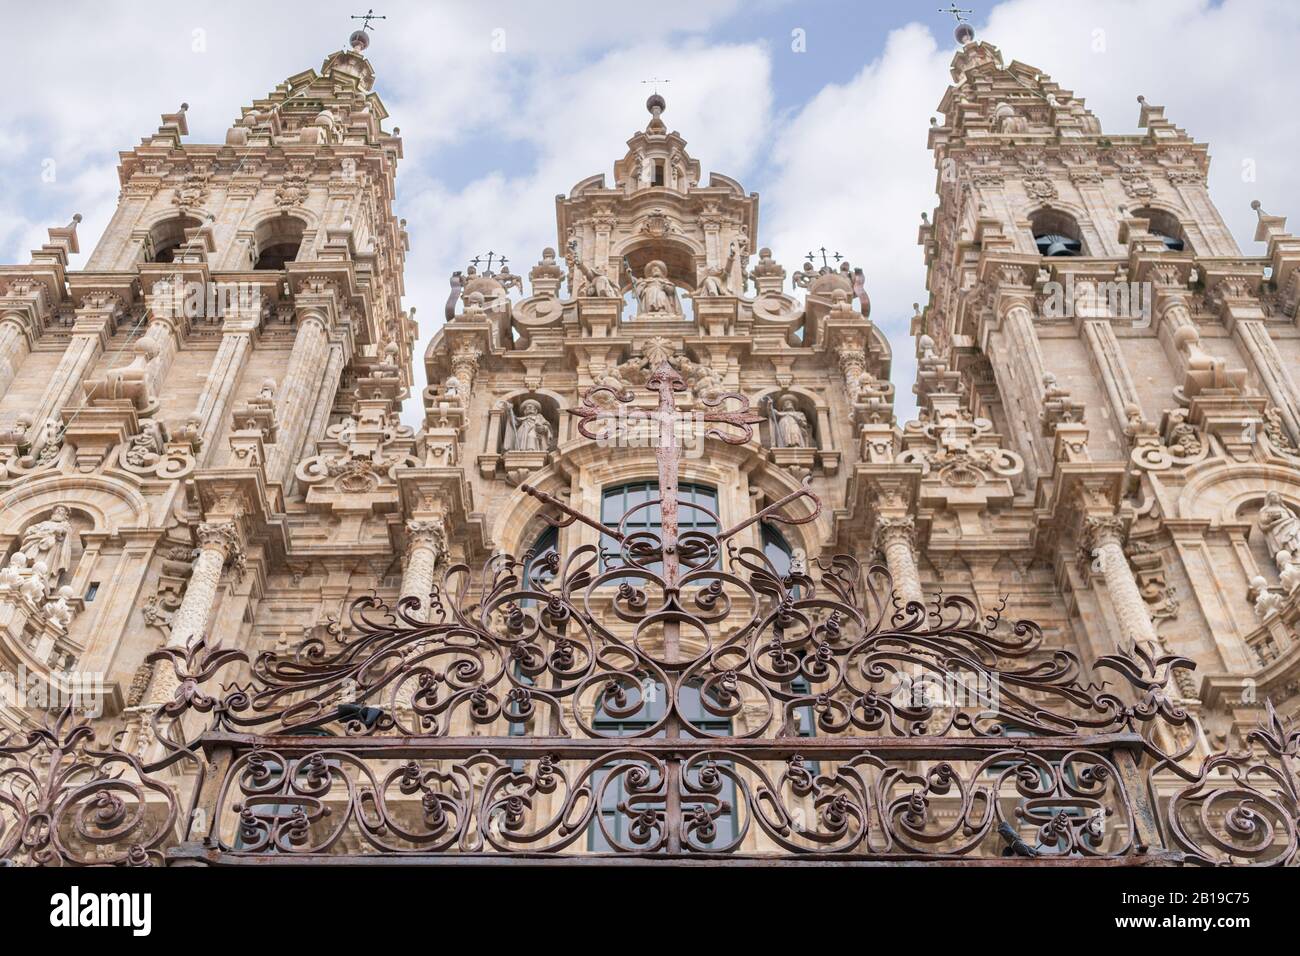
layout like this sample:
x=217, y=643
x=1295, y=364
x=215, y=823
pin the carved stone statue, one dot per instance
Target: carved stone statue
x=655, y=292
x=529, y=430
x=50, y=542
x=789, y=425
x=1288, y=570
x=715, y=278
x=60, y=610
x=595, y=285
x=1280, y=524
x=1267, y=603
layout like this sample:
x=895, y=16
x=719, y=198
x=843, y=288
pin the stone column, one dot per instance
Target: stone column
x=296, y=393
x=1104, y=539
x=1272, y=370
x=1024, y=367
x=223, y=374
x=218, y=543
x=329, y=386
x=896, y=537
x=426, y=542
x=13, y=347
x=90, y=333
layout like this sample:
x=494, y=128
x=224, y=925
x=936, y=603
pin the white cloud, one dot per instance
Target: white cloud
x=853, y=174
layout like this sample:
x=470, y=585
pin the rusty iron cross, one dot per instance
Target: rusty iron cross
x=604, y=403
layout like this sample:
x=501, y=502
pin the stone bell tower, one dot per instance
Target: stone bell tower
x=203, y=420
x=1088, y=304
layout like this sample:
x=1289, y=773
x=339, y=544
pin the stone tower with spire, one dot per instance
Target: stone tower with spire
x=198, y=429
x=1091, y=315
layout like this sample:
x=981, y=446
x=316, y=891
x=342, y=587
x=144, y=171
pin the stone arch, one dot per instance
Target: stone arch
x=278, y=239
x=1060, y=220
x=1167, y=222
x=1221, y=493
x=679, y=254
x=110, y=504
x=166, y=233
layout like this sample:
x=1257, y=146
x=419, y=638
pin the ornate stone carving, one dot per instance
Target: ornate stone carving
x=50, y=542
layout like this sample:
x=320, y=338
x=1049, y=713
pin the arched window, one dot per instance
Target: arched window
x=619, y=500
x=277, y=242
x=1056, y=233
x=1166, y=227
x=167, y=236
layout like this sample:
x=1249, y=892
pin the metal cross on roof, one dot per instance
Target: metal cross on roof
x=489, y=257
x=822, y=252
x=656, y=81
x=366, y=17
x=956, y=11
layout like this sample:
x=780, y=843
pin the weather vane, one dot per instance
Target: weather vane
x=656, y=81
x=366, y=17
x=956, y=11
x=822, y=252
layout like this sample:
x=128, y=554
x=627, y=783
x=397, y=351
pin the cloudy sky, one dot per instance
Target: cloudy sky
x=821, y=106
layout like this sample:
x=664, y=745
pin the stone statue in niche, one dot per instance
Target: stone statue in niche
x=1281, y=526
x=528, y=430
x=655, y=292
x=789, y=426
x=50, y=542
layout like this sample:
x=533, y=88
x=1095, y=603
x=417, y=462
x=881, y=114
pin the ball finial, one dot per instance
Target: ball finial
x=656, y=104
x=964, y=33
x=359, y=41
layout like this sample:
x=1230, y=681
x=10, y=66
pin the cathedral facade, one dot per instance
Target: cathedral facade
x=661, y=572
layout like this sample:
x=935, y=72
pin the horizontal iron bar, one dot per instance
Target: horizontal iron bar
x=779, y=748
x=195, y=854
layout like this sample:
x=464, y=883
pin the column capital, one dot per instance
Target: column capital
x=891, y=529
x=1101, y=530
x=220, y=536
x=427, y=532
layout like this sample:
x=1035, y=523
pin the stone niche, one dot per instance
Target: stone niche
x=523, y=431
